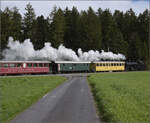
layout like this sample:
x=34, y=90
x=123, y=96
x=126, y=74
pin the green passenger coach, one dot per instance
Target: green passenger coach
x=71, y=66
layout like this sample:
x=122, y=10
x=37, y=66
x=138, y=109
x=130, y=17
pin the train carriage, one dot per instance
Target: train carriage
x=24, y=67
x=39, y=67
x=70, y=66
x=107, y=66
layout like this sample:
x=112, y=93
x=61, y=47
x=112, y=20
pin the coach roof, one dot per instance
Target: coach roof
x=25, y=62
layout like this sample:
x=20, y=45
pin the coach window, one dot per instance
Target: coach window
x=1, y=65
x=11, y=65
x=29, y=64
x=103, y=64
x=35, y=65
x=40, y=65
x=5, y=65
x=45, y=65
x=19, y=64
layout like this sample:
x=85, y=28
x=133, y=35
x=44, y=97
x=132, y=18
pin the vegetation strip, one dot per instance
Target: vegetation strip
x=122, y=97
x=18, y=93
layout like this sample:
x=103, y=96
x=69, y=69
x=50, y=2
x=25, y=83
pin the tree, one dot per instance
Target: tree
x=107, y=23
x=72, y=33
x=29, y=19
x=57, y=27
x=117, y=43
x=5, y=26
x=143, y=31
x=10, y=25
x=119, y=20
x=40, y=33
x=16, y=24
x=130, y=24
x=90, y=30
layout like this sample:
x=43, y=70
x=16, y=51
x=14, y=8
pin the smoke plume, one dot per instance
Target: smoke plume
x=25, y=51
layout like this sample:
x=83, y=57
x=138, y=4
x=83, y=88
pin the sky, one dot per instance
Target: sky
x=45, y=7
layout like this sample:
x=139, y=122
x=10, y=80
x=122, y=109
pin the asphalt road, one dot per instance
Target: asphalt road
x=71, y=102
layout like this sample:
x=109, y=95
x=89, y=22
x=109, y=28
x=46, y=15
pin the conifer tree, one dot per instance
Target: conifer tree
x=57, y=27
x=29, y=20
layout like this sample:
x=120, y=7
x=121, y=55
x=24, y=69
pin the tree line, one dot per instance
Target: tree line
x=125, y=33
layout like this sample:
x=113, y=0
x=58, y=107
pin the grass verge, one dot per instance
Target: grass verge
x=18, y=93
x=122, y=97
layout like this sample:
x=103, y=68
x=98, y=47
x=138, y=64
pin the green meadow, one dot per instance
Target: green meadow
x=122, y=97
x=18, y=93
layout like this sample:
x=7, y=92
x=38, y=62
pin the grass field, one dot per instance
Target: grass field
x=18, y=93
x=122, y=97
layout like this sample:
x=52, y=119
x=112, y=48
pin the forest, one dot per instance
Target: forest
x=119, y=32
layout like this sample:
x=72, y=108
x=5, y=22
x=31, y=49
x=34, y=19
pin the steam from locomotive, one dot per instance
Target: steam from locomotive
x=26, y=51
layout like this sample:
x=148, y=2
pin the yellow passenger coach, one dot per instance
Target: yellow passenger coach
x=107, y=66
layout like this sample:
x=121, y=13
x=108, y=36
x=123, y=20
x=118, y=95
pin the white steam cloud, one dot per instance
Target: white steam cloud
x=25, y=51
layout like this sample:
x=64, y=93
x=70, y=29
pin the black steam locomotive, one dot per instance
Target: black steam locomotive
x=134, y=66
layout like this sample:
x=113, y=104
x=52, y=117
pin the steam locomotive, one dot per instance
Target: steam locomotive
x=45, y=67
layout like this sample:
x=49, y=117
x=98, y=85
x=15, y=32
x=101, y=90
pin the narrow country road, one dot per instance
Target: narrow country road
x=71, y=102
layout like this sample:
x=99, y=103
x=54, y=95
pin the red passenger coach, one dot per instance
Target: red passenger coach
x=24, y=67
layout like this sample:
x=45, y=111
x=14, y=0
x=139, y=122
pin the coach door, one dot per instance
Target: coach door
x=54, y=67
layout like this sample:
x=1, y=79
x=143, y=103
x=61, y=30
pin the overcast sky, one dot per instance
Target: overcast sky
x=45, y=7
